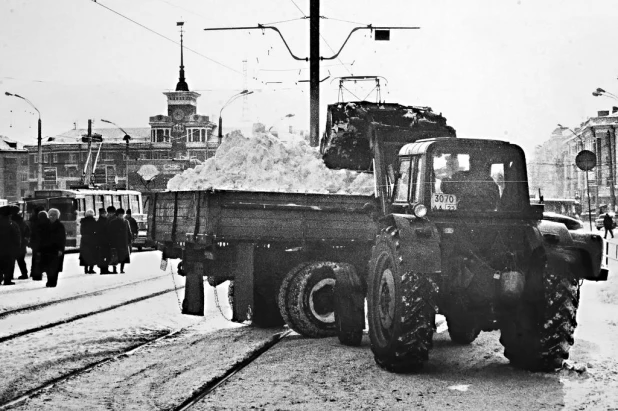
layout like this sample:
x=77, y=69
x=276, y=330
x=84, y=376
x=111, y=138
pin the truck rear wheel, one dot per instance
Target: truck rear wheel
x=306, y=297
x=349, y=305
x=283, y=300
x=401, y=306
x=539, y=335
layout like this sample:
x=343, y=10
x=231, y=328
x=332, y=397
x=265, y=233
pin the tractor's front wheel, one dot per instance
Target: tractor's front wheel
x=539, y=334
x=401, y=308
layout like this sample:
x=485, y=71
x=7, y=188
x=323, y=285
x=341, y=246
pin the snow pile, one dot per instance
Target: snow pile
x=265, y=163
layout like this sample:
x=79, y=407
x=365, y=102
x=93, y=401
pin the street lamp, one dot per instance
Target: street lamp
x=126, y=138
x=234, y=97
x=39, y=182
x=600, y=92
x=276, y=122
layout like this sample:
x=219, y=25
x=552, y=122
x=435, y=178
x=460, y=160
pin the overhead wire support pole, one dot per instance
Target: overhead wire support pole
x=314, y=59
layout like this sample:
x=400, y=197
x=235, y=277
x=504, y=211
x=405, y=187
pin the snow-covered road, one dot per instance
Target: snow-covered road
x=297, y=373
x=30, y=360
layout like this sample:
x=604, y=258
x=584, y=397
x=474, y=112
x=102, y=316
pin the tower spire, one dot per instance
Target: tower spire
x=182, y=84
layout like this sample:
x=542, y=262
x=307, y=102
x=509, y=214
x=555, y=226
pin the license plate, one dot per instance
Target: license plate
x=444, y=202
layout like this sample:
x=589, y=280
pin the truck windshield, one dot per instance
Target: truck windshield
x=478, y=179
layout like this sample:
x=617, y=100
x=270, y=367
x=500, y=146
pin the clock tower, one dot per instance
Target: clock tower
x=182, y=126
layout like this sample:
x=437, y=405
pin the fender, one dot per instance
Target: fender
x=580, y=252
x=419, y=243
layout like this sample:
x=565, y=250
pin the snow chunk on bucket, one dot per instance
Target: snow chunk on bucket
x=265, y=163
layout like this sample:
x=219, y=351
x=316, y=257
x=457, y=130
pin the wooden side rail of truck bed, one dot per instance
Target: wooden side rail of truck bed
x=201, y=216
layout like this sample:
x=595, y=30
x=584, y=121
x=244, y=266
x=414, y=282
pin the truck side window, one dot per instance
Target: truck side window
x=402, y=187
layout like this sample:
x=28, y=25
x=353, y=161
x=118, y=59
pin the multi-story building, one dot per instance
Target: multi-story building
x=553, y=167
x=13, y=170
x=151, y=156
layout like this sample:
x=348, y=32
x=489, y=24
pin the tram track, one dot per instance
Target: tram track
x=216, y=382
x=127, y=351
x=74, y=297
x=187, y=404
x=85, y=315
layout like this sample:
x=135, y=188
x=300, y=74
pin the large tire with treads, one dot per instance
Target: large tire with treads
x=282, y=298
x=349, y=305
x=539, y=334
x=401, y=308
x=306, y=299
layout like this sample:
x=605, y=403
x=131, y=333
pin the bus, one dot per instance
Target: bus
x=73, y=204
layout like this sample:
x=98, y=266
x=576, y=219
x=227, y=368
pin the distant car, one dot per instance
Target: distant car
x=599, y=221
x=570, y=222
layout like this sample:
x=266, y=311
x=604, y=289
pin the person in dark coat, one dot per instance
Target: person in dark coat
x=120, y=239
x=608, y=224
x=53, y=241
x=102, y=242
x=35, y=271
x=24, y=230
x=132, y=224
x=88, y=254
x=10, y=239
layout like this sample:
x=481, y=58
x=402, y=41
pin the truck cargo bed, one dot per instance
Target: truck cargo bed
x=231, y=215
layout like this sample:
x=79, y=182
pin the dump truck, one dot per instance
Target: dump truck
x=449, y=229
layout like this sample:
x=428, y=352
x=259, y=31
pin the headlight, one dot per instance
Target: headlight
x=420, y=210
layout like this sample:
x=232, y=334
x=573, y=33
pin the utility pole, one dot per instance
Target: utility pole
x=381, y=33
x=314, y=72
x=612, y=193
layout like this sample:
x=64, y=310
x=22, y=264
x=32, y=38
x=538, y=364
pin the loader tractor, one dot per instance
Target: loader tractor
x=458, y=236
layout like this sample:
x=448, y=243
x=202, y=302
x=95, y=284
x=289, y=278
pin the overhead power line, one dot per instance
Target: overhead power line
x=167, y=38
x=299, y=9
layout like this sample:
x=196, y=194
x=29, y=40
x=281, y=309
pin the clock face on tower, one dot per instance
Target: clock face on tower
x=178, y=114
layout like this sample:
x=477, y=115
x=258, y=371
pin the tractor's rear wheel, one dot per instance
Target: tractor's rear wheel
x=306, y=297
x=349, y=305
x=401, y=307
x=539, y=335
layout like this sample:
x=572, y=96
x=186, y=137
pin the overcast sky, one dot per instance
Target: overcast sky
x=503, y=69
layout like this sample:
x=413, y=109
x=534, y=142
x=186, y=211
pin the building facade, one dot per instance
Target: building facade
x=553, y=168
x=13, y=170
x=179, y=139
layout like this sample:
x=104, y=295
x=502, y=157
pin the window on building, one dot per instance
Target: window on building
x=142, y=156
x=35, y=159
x=72, y=158
x=72, y=172
x=55, y=157
x=46, y=158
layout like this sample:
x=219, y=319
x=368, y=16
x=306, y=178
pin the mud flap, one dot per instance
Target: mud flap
x=193, y=303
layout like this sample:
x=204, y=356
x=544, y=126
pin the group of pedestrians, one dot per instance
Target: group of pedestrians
x=107, y=241
x=44, y=234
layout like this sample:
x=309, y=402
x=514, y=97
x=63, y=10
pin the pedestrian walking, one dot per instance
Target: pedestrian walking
x=24, y=231
x=53, y=240
x=120, y=238
x=102, y=242
x=608, y=224
x=132, y=225
x=88, y=254
x=9, y=245
x=35, y=241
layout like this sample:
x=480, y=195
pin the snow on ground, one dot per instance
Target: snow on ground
x=264, y=162
x=42, y=356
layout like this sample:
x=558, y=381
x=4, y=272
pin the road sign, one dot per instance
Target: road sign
x=586, y=160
